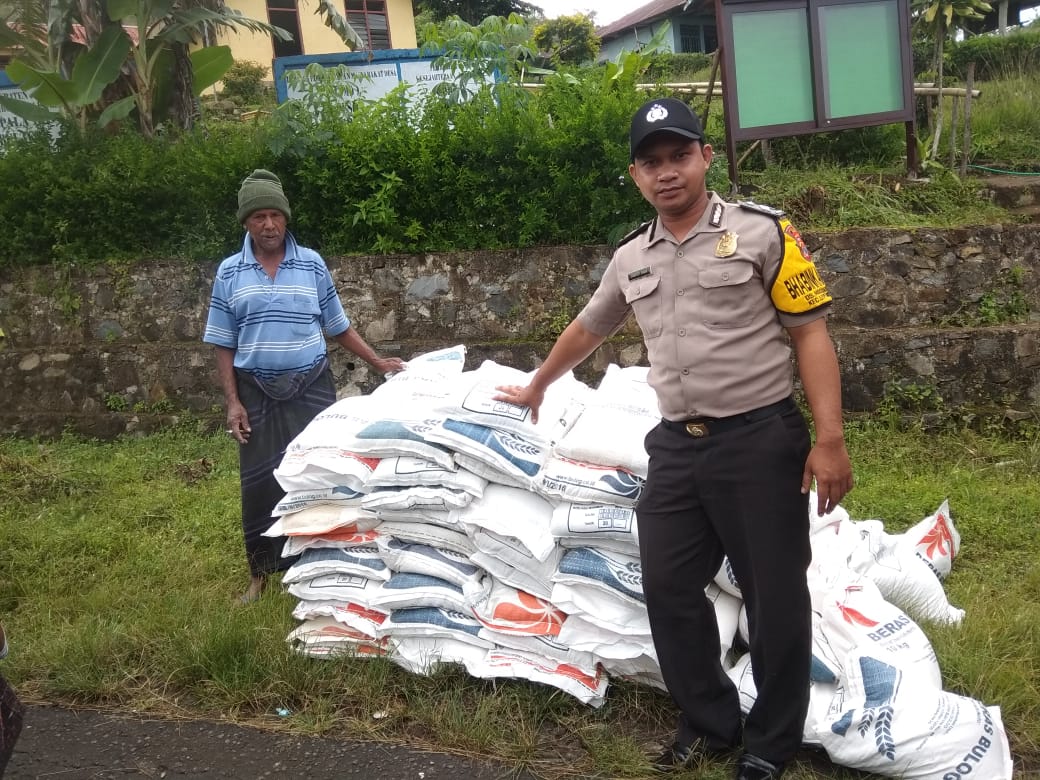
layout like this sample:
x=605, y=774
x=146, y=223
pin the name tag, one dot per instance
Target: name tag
x=639, y=274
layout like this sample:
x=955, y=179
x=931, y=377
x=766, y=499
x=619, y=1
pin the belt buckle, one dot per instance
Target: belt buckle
x=696, y=430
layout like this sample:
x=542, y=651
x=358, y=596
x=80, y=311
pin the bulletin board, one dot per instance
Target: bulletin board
x=804, y=66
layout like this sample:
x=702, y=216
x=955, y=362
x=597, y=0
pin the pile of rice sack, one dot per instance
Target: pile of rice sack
x=436, y=525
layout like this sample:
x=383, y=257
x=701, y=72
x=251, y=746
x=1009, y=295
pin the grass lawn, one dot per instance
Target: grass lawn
x=120, y=561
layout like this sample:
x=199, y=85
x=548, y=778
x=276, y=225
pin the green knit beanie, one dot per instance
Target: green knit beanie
x=261, y=190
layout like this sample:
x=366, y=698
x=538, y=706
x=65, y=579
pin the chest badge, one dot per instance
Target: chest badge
x=727, y=244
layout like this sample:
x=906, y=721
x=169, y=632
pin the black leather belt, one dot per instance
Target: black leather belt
x=699, y=427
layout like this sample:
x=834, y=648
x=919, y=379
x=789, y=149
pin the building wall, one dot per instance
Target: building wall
x=631, y=41
x=317, y=38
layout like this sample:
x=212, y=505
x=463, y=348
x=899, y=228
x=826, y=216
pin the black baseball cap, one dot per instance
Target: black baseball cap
x=666, y=115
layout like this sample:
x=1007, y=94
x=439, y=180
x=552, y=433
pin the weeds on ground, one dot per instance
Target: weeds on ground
x=121, y=561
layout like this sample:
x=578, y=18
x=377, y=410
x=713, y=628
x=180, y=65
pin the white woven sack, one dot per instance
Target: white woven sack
x=343, y=588
x=497, y=456
x=337, y=423
x=611, y=575
x=425, y=497
x=474, y=400
x=424, y=559
x=405, y=471
x=887, y=723
x=390, y=437
x=424, y=375
x=294, y=545
x=406, y=590
x=509, y=561
x=510, y=511
x=934, y=540
x=540, y=645
x=626, y=406
x=521, y=579
x=587, y=685
x=904, y=579
x=425, y=655
x=614, y=615
x=367, y=620
x=324, y=636
x=588, y=525
x=320, y=467
x=503, y=608
x=362, y=561
x=580, y=633
x=587, y=483
x=727, y=580
x=323, y=519
x=856, y=620
x=432, y=534
x=490, y=473
x=434, y=623
x=304, y=499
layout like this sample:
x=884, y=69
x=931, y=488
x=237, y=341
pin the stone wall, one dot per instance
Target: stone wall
x=950, y=313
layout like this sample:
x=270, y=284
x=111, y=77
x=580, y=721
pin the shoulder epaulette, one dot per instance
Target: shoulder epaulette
x=638, y=231
x=760, y=208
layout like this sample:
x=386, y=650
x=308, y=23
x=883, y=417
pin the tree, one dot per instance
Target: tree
x=475, y=11
x=941, y=18
x=477, y=54
x=568, y=39
x=77, y=56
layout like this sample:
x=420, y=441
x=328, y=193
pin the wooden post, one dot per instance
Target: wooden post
x=913, y=162
x=966, y=145
x=711, y=87
x=953, y=131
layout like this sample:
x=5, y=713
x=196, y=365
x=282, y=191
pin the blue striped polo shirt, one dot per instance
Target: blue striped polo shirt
x=276, y=326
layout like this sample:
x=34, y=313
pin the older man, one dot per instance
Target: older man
x=273, y=304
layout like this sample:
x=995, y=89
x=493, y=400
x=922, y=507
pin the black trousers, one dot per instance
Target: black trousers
x=735, y=493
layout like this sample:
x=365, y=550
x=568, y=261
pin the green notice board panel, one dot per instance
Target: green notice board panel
x=862, y=66
x=773, y=67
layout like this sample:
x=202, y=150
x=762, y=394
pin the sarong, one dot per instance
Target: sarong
x=11, y=714
x=278, y=412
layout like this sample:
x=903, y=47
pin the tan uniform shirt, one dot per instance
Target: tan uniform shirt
x=713, y=307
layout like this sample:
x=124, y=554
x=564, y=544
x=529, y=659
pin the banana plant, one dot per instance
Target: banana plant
x=93, y=70
x=112, y=73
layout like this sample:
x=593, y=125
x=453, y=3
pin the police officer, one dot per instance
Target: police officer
x=720, y=291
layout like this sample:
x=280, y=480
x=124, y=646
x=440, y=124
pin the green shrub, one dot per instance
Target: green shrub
x=89, y=197
x=669, y=67
x=504, y=169
x=244, y=82
x=998, y=56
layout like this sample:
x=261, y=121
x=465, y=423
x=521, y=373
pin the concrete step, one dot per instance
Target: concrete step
x=1011, y=192
x=1029, y=213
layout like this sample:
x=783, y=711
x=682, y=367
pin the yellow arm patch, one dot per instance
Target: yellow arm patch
x=798, y=287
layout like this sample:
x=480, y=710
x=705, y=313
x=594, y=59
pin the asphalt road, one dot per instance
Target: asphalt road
x=63, y=744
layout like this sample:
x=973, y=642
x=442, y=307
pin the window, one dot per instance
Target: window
x=698, y=37
x=284, y=14
x=368, y=18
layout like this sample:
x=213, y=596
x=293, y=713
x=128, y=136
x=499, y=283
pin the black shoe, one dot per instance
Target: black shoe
x=679, y=756
x=751, y=767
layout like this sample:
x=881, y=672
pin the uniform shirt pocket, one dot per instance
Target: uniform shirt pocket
x=728, y=294
x=645, y=300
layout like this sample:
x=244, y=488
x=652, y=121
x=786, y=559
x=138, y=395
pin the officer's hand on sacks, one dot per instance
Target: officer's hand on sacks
x=522, y=396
